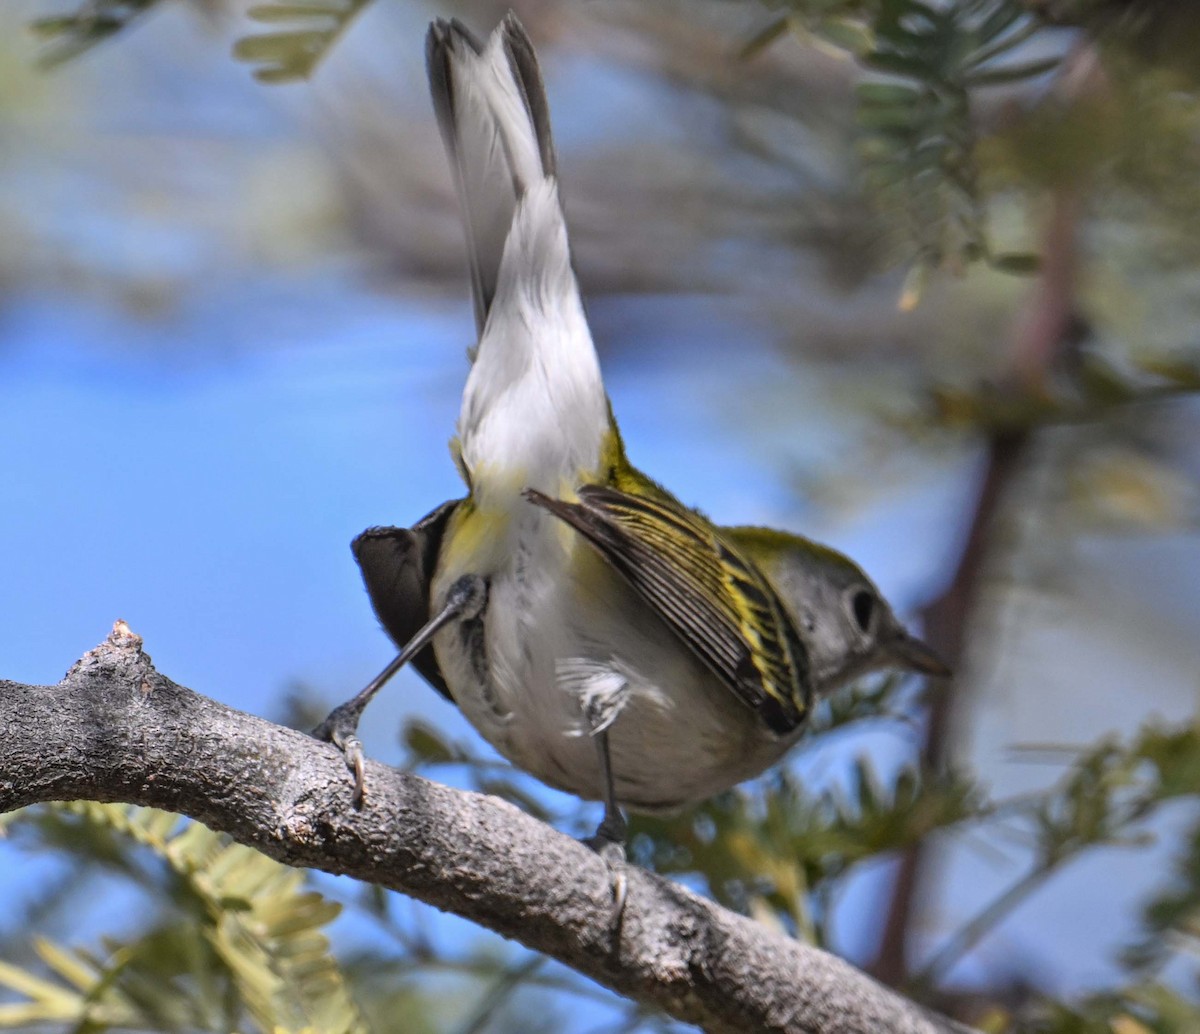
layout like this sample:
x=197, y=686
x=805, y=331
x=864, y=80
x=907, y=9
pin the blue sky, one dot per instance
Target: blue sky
x=194, y=454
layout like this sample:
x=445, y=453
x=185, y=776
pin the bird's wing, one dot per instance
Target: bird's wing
x=491, y=108
x=397, y=566
x=710, y=595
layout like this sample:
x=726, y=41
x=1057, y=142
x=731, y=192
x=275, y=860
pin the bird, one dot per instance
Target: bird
x=598, y=633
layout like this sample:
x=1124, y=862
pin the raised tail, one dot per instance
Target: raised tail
x=534, y=412
x=491, y=108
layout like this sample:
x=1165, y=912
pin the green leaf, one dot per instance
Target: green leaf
x=888, y=94
x=70, y=35
x=88, y=997
x=901, y=19
x=60, y=1002
x=65, y=964
x=1172, y=911
x=286, y=12
x=1174, y=754
x=1182, y=372
x=262, y=926
x=893, y=120
x=426, y=745
x=1017, y=263
x=297, y=72
x=848, y=34
x=280, y=47
x=1012, y=73
x=902, y=65
x=293, y=54
x=1000, y=20
x=51, y=27
x=995, y=41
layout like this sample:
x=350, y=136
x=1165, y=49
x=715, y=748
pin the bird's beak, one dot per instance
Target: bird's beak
x=916, y=656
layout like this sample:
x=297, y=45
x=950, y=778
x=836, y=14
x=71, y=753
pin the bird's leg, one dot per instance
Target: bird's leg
x=609, y=839
x=465, y=599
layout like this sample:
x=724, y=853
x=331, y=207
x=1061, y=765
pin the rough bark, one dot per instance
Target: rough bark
x=116, y=730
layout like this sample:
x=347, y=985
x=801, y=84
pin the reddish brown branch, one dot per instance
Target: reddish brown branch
x=1043, y=334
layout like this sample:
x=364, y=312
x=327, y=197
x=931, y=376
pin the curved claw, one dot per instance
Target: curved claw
x=620, y=887
x=466, y=598
x=356, y=762
x=339, y=728
x=612, y=852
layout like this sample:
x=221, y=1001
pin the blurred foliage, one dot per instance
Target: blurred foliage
x=1103, y=799
x=237, y=939
x=965, y=103
x=287, y=54
x=925, y=62
x=69, y=35
x=782, y=851
x=966, y=113
x=1150, y=1008
x=225, y=939
x=964, y=109
x=918, y=134
x=1087, y=390
x=291, y=53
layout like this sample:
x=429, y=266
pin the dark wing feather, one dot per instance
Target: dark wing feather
x=718, y=602
x=397, y=565
x=522, y=58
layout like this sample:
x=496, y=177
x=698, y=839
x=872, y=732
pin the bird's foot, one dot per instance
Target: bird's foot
x=340, y=728
x=609, y=843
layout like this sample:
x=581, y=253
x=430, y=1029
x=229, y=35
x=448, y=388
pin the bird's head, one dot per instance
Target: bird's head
x=844, y=622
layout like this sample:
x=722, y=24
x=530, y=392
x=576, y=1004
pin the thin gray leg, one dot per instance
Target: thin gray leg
x=609, y=839
x=465, y=599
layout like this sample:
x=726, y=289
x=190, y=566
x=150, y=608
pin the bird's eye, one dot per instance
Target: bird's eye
x=862, y=603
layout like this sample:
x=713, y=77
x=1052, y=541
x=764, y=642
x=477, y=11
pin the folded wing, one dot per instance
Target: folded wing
x=715, y=600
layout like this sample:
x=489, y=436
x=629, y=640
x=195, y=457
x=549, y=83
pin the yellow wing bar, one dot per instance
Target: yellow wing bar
x=716, y=601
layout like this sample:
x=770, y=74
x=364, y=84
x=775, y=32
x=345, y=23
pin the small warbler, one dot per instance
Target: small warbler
x=598, y=633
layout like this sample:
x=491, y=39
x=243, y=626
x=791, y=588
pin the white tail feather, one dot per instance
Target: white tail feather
x=534, y=411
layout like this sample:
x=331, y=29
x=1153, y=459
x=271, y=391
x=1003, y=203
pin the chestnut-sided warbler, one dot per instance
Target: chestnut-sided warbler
x=598, y=633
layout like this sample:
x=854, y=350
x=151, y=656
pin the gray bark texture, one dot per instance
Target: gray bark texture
x=116, y=730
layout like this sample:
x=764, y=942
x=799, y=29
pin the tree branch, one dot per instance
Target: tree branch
x=116, y=730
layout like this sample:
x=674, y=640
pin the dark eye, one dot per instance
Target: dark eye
x=862, y=603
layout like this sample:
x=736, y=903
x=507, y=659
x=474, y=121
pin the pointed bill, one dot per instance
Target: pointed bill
x=914, y=655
